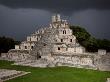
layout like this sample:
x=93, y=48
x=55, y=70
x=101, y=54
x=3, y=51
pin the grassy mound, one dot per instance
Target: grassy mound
x=56, y=74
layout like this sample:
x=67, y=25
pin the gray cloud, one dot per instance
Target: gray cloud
x=19, y=18
x=65, y=6
x=95, y=21
x=19, y=23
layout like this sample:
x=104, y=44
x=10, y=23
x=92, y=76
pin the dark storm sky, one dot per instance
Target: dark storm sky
x=19, y=18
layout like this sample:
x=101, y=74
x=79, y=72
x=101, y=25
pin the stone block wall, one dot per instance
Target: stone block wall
x=72, y=60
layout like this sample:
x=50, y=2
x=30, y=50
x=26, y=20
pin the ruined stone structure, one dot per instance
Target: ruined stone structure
x=6, y=74
x=108, y=80
x=56, y=46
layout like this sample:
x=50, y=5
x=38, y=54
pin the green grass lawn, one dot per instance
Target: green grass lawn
x=56, y=74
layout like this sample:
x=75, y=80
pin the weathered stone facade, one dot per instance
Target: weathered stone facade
x=57, y=46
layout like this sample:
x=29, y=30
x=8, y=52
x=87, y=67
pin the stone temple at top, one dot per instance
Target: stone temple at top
x=57, y=38
x=56, y=46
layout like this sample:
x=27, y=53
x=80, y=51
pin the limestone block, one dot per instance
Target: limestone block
x=101, y=52
x=108, y=80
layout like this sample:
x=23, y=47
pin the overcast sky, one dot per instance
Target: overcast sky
x=20, y=18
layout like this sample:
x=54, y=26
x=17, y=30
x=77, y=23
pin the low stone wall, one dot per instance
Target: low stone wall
x=86, y=60
x=104, y=62
x=15, y=56
x=72, y=60
x=6, y=74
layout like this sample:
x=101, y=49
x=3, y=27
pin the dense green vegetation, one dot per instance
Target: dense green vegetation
x=56, y=74
x=6, y=44
x=89, y=42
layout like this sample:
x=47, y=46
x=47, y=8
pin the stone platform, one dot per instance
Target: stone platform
x=6, y=74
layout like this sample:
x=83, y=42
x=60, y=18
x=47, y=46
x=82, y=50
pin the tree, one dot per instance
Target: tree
x=104, y=44
x=90, y=43
x=80, y=33
x=6, y=44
